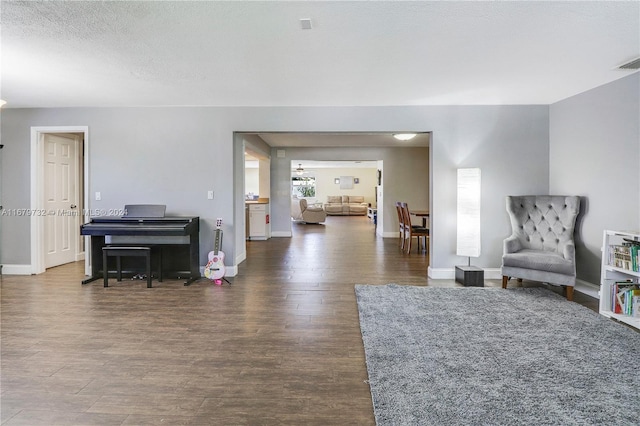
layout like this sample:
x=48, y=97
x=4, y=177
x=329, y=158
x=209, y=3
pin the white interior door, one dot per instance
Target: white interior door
x=60, y=199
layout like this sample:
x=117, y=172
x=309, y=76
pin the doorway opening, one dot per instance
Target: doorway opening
x=340, y=187
x=59, y=195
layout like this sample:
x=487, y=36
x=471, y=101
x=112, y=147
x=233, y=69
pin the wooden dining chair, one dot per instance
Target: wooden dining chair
x=400, y=224
x=411, y=231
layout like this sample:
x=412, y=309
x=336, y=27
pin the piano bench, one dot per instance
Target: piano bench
x=128, y=251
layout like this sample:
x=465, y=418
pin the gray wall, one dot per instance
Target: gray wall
x=595, y=153
x=175, y=155
x=510, y=146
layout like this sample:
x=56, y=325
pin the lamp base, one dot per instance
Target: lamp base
x=470, y=276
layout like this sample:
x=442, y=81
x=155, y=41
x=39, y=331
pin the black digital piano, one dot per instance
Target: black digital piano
x=178, y=238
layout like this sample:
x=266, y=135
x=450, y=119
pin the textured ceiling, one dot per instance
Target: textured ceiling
x=155, y=53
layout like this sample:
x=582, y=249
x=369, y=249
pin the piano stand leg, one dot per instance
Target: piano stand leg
x=92, y=278
x=189, y=281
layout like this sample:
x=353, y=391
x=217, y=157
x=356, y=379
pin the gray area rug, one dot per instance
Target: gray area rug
x=486, y=356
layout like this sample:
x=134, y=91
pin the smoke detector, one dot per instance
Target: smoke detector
x=305, y=23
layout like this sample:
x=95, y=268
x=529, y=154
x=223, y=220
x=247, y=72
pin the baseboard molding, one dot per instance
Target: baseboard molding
x=440, y=273
x=392, y=234
x=493, y=273
x=279, y=234
x=587, y=288
x=450, y=273
x=16, y=269
x=581, y=286
x=231, y=271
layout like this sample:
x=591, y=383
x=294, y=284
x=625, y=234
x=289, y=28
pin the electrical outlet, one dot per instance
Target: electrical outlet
x=98, y=196
x=210, y=195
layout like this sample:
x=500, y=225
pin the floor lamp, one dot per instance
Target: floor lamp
x=468, y=229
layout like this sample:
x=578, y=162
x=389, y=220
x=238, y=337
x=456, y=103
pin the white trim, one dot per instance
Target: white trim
x=588, y=288
x=278, y=234
x=450, y=273
x=231, y=271
x=37, y=182
x=37, y=256
x=16, y=269
x=440, y=273
x=241, y=257
x=493, y=273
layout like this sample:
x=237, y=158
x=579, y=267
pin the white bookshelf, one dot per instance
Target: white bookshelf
x=611, y=274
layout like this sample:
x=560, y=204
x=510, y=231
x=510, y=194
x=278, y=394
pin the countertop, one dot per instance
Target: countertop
x=258, y=201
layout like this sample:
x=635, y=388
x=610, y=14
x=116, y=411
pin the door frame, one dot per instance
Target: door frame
x=37, y=189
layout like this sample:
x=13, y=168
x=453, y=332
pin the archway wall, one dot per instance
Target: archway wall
x=175, y=155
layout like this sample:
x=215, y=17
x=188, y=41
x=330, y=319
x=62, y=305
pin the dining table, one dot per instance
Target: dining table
x=424, y=214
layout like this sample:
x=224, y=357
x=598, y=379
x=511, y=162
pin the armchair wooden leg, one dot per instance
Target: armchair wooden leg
x=504, y=281
x=568, y=291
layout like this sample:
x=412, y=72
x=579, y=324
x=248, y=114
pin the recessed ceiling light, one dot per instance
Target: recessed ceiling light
x=404, y=136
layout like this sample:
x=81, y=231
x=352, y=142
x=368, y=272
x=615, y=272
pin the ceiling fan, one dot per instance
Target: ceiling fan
x=300, y=171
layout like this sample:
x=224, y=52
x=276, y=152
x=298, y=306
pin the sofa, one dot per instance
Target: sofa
x=346, y=205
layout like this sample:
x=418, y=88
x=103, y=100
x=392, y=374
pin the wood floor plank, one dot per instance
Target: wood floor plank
x=281, y=345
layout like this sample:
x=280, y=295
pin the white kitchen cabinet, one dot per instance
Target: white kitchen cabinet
x=259, y=222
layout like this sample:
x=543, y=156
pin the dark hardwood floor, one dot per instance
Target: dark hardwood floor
x=281, y=345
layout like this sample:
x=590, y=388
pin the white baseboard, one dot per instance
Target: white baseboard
x=588, y=288
x=278, y=234
x=440, y=273
x=493, y=273
x=16, y=269
x=582, y=286
x=392, y=234
x=231, y=271
x=450, y=273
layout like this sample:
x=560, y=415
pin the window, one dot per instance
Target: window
x=303, y=187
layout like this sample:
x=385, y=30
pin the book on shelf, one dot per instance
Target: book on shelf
x=625, y=256
x=625, y=298
x=635, y=304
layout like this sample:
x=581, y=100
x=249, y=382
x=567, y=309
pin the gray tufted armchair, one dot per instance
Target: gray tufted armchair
x=541, y=246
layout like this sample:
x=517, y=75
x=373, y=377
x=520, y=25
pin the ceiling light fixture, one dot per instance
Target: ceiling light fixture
x=299, y=170
x=404, y=136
